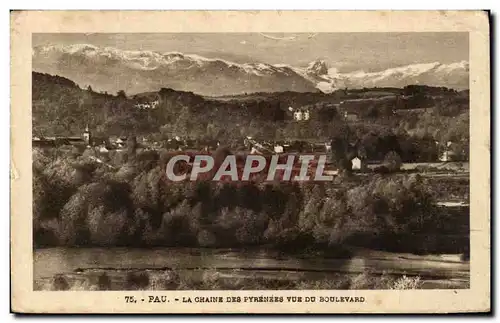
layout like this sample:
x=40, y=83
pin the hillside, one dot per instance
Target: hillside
x=60, y=107
x=428, y=115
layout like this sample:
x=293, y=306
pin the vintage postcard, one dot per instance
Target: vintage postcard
x=250, y=162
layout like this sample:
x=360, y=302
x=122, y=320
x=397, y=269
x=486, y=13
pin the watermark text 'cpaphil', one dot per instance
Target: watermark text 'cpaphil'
x=249, y=167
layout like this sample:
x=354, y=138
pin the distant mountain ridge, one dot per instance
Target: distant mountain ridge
x=112, y=69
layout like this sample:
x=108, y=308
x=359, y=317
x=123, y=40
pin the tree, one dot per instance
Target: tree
x=392, y=161
x=339, y=150
x=131, y=147
x=121, y=94
x=220, y=154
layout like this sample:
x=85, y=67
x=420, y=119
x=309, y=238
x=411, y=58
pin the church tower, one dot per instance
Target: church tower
x=86, y=135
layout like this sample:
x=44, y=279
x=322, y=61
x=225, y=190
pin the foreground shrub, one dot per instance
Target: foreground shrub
x=99, y=214
x=406, y=283
x=213, y=279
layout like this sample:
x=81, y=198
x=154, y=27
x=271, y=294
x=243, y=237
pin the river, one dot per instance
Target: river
x=436, y=271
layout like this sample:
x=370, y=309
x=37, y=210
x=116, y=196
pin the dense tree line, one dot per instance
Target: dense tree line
x=128, y=202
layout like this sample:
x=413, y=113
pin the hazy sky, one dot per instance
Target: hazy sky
x=347, y=51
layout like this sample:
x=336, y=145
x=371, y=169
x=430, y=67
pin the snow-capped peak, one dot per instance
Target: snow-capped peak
x=149, y=68
x=150, y=60
x=70, y=49
x=317, y=67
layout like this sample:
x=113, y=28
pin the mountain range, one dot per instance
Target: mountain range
x=111, y=69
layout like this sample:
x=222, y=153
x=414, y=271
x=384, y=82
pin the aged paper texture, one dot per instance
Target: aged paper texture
x=250, y=162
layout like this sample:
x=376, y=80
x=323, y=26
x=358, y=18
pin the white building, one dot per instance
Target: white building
x=356, y=163
x=448, y=154
x=350, y=116
x=301, y=115
x=297, y=115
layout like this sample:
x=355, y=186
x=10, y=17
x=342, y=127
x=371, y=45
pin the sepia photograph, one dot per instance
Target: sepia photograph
x=109, y=111
x=250, y=161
